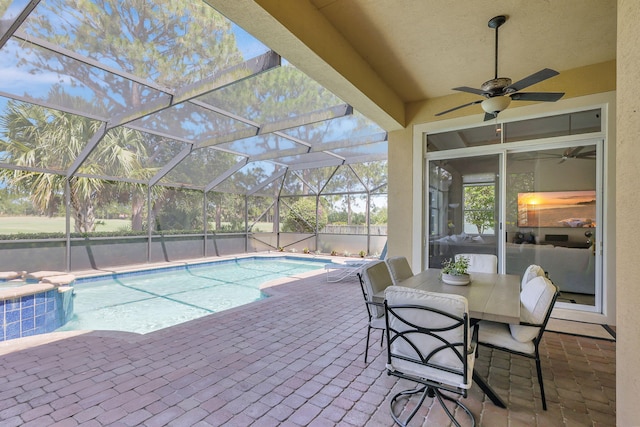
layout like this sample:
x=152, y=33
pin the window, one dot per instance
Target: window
x=440, y=182
x=479, y=200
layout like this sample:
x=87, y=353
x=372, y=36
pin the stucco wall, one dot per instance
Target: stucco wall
x=627, y=177
x=400, y=197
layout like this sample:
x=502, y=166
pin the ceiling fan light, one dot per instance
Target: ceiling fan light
x=495, y=104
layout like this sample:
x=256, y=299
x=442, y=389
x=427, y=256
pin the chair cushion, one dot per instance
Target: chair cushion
x=531, y=272
x=535, y=299
x=453, y=304
x=434, y=374
x=481, y=263
x=378, y=322
x=523, y=333
x=534, y=304
x=376, y=278
x=399, y=269
x=499, y=335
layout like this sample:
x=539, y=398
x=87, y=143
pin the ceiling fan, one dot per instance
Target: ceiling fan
x=570, y=153
x=577, y=153
x=499, y=91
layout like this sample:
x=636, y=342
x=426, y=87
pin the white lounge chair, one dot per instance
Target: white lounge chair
x=337, y=271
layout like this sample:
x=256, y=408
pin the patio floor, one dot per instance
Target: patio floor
x=295, y=359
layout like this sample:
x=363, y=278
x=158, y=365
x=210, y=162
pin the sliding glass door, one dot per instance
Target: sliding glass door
x=527, y=191
x=463, y=208
x=552, y=215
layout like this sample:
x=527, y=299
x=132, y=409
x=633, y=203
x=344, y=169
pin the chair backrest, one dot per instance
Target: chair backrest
x=481, y=263
x=399, y=269
x=375, y=278
x=531, y=272
x=428, y=336
x=537, y=299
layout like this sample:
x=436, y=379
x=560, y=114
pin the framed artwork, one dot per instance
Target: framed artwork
x=575, y=209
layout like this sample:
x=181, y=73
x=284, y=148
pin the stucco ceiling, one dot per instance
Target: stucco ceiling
x=381, y=55
x=422, y=49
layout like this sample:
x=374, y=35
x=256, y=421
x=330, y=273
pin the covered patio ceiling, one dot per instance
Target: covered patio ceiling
x=204, y=100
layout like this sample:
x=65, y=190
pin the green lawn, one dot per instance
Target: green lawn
x=38, y=224
x=41, y=224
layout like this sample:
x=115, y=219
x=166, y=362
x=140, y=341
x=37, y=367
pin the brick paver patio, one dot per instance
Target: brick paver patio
x=295, y=359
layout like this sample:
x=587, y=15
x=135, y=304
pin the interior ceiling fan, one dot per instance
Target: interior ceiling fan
x=499, y=91
x=579, y=152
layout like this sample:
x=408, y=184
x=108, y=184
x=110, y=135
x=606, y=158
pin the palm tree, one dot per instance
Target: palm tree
x=37, y=138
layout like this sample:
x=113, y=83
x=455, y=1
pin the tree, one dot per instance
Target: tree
x=379, y=216
x=12, y=204
x=479, y=206
x=301, y=217
x=41, y=138
x=169, y=43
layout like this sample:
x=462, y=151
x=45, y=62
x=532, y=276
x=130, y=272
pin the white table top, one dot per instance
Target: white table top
x=494, y=297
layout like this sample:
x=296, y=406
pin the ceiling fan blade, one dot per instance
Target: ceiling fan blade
x=532, y=79
x=458, y=107
x=572, y=152
x=537, y=96
x=587, y=155
x=469, y=90
x=577, y=153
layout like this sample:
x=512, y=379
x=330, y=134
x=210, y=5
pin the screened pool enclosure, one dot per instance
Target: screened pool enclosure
x=136, y=131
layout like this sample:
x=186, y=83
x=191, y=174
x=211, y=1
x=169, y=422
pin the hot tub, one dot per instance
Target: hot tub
x=29, y=309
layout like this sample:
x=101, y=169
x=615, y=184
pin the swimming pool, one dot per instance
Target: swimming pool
x=143, y=302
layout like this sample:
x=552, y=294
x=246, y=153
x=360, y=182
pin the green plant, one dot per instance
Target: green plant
x=455, y=267
x=302, y=217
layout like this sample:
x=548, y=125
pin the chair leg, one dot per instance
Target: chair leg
x=542, y=396
x=382, y=338
x=427, y=392
x=366, y=349
x=407, y=394
x=441, y=396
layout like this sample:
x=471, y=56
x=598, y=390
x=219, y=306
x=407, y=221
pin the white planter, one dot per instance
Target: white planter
x=462, y=279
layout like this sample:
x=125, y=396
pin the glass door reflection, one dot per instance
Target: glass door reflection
x=463, y=207
x=551, y=218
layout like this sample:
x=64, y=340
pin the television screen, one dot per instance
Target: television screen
x=574, y=209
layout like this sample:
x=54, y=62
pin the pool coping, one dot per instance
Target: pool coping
x=84, y=276
x=269, y=287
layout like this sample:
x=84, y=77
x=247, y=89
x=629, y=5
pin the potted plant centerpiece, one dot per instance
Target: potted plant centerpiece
x=454, y=271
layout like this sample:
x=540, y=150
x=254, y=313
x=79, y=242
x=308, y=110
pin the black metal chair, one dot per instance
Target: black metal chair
x=429, y=342
x=537, y=299
x=374, y=278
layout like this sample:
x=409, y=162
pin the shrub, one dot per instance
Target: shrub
x=301, y=218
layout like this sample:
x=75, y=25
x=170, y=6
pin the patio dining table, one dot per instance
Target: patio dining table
x=494, y=297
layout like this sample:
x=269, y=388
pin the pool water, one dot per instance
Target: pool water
x=144, y=303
